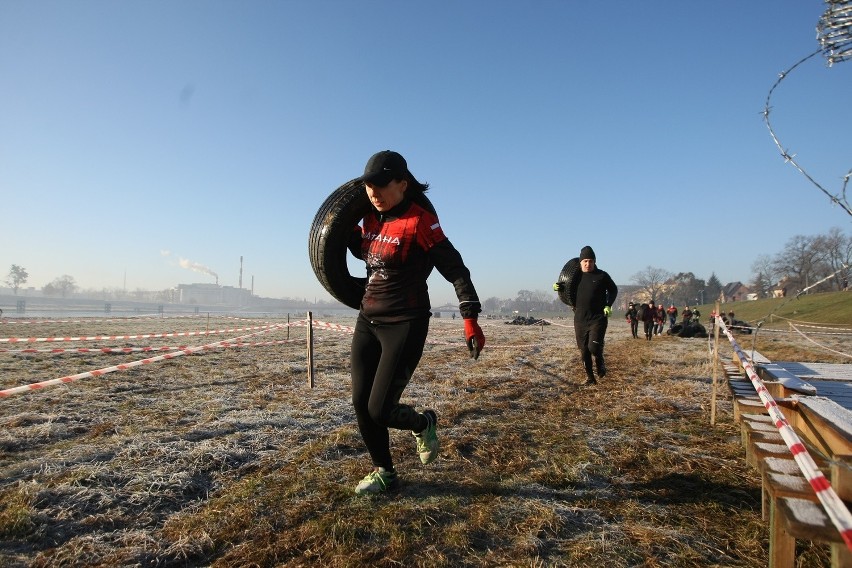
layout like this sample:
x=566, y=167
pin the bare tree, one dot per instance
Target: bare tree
x=532, y=300
x=836, y=251
x=523, y=301
x=491, y=305
x=17, y=276
x=62, y=286
x=763, y=276
x=685, y=288
x=761, y=286
x=651, y=281
x=799, y=261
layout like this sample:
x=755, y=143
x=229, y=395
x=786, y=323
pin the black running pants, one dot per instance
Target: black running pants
x=383, y=358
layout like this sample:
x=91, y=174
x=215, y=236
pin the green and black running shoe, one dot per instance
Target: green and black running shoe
x=427, y=440
x=377, y=481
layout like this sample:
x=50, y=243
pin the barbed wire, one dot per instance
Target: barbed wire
x=834, y=32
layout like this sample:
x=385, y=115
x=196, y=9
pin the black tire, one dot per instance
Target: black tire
x=329, y=237
x=568, y=279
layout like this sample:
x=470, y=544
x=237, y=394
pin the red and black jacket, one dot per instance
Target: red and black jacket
x=400, y=247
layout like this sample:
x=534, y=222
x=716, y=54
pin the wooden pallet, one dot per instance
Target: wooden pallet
x=823, y=423
x=788, y=500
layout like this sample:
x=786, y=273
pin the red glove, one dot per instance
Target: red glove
x=474, y=337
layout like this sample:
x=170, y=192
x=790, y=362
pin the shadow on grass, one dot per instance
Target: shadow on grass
x=565, y=379
x=413, y=489
x=680, y=488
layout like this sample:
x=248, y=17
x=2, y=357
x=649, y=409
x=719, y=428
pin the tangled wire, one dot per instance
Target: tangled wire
x=834, y=32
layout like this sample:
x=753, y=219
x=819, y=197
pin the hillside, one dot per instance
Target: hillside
x=832, y=308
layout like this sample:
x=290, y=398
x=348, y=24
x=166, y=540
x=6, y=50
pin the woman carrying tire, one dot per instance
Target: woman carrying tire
x=400, y=242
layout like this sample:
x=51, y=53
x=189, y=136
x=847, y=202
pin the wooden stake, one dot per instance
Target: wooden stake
x=715, y=365
x=310, y=335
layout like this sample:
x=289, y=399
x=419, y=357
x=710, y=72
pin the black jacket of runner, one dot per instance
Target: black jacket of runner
x=400, y=248
x=595, y=290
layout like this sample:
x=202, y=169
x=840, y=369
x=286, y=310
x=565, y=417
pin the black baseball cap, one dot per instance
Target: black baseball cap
x=383, y=167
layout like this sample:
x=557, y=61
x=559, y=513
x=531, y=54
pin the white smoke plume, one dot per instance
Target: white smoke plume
x=197, y=267
x=192, y=265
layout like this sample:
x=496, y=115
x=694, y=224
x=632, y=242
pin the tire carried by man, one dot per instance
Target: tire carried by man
x=329, y=235
x=591, y=292
x=566, y=284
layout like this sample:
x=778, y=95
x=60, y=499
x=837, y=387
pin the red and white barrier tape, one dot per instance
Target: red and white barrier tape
x=834, y=507
x=110, y=350
x=103, y=350
x=125, y=366
x=457, y=343
x=173, y=352
x=127, y=319
x=148, y=349
x=141, y=335
x=94, y=320
x=348, y=329
x=332, y=326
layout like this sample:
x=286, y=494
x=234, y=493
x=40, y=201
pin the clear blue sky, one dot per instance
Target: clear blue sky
x=135, y=134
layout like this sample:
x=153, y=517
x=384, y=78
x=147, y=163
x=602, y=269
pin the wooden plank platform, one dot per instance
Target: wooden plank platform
x=788, y=475
x=794, y=510
x=831, y=380
x=816, y=399
x=821, y=422
x=743, y=388
x=751, y=405
x=789, y=383
x=804, y=519
x=819, y=371
x=755, y=357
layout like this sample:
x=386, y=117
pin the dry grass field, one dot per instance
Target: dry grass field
x=228, y=458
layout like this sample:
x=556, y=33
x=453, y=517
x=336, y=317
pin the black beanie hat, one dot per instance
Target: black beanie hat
x=587, y=252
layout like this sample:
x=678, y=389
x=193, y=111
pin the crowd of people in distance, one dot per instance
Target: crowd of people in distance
x=730, y=322
x=654, y=317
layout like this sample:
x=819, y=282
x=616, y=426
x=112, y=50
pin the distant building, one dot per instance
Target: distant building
x=212, y=294
x=734, y=291
x=446, y=311
x=780, y=289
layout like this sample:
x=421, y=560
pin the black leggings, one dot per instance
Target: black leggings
x=384, y=357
